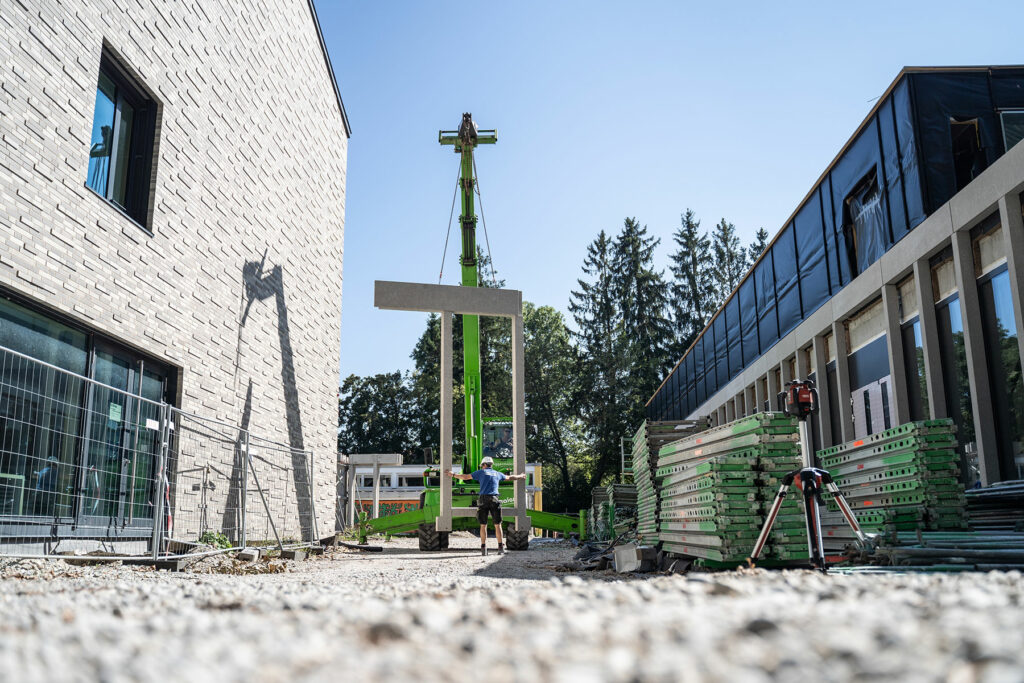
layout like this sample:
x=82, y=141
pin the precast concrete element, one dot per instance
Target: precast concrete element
x=447, y=300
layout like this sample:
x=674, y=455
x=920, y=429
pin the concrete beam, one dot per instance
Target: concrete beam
x=519, y=421
x=444, y=520
x=414, y=296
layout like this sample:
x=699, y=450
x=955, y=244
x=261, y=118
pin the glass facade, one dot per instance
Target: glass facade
x=913, y=363
x=71, y=450
x=953, y=354
x=1003, y=355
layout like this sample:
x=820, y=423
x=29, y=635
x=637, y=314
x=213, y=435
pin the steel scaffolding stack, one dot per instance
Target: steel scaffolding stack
x=902, y=479
x=715, y=488
x=647, y=441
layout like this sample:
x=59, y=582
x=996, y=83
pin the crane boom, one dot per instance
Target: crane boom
x=465, y=140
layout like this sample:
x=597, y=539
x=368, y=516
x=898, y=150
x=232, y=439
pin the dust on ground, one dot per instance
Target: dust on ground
x=454, y=615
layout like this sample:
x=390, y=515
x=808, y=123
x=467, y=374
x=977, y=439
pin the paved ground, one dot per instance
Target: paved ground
x=409, y=616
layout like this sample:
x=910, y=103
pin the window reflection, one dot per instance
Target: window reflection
x=1003, y=356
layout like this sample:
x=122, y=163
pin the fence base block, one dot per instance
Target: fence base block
x=248, y=554
x=163, y=565
x=293, y=554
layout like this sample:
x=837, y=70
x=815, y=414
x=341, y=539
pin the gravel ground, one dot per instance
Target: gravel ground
x=405, y=615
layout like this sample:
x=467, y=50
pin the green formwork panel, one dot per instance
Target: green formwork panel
x=923, y=427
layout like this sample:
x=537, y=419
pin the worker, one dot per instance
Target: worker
x=489, y=502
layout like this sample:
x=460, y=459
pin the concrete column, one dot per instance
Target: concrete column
x=352, y=521
x=730, y=410
x=444, y=520
x=741, y=404
x=773, y=389
x=824, y=404
x=803, y=368
x=751, y=401
x=376, y=487
x=897, y=363
x=930, y=339
x=759, y=394
x=977, y=370
x=787, y=376
x=519, y=421
x=842, y=343
x=1013, y=242
x=722, y=416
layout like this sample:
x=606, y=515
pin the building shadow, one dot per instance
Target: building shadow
x=232, y=521
x=261, y=285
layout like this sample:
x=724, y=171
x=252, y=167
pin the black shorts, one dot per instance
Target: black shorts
x=488, y=504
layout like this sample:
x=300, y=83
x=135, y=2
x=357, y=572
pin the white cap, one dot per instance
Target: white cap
x=487, y=461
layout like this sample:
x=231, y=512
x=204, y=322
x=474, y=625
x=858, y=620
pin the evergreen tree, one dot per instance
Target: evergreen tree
x=642, y=296
x=693, y=284
x=730, y=260
x=758, y=246
x=603, y=357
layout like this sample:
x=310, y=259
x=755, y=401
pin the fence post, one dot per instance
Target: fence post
x=161, y=478
x=245, y=485
x=312, y=501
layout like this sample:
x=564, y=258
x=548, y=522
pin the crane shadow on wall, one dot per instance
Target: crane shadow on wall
x=261, y=284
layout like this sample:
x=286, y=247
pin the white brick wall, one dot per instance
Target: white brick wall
x=251, y=159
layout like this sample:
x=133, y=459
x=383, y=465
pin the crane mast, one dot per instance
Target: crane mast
x=465, y=140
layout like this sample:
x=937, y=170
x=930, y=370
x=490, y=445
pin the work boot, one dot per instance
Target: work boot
x=483, y=550
x=501, y=548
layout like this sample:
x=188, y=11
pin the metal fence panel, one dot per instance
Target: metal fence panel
x=85, y=465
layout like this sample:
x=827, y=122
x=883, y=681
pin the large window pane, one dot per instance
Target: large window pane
x=913, y=361
x=958, y=389
x=1003, y=354
x=102, y=141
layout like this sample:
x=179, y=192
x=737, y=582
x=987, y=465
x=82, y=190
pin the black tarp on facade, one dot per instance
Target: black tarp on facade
x=933, y=132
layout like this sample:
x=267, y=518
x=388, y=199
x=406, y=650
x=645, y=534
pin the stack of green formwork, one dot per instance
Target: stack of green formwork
x=622, y=507
x=714, y=486
x=599, y=514
x=649, y=438
x=902, y=479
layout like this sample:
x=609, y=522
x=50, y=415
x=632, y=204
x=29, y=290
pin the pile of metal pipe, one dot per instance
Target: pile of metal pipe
x=999, y=507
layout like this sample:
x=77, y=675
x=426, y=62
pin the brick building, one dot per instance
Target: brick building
x=172, y=201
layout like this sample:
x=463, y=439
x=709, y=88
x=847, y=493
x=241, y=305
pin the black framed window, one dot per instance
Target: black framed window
x=122, y=141
x=1013, y=127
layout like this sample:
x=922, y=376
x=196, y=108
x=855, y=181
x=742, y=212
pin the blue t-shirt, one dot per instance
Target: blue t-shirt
x=488, y=479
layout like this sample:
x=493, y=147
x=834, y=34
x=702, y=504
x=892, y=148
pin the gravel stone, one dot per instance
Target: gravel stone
x=454, y=615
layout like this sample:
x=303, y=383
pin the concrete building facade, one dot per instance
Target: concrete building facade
x=172, y=203
x=921, y=319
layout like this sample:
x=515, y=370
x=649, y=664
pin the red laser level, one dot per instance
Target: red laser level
x=800, y=399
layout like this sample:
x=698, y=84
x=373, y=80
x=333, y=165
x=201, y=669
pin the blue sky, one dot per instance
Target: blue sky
x=604, y=110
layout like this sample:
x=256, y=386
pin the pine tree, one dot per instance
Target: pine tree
x=730, y=260
x=603, y=356
x=642, y=295
x=691, y=293
x=758, y=246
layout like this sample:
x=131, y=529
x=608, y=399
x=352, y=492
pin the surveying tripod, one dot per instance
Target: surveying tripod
x=801, y=401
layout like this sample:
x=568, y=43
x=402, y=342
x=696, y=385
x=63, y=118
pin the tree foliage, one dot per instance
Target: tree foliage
x=586, y=386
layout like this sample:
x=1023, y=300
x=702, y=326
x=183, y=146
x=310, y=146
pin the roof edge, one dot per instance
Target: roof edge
x=330, y=69
x=904, y=72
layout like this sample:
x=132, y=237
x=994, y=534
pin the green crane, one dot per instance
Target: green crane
x=465, y=140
